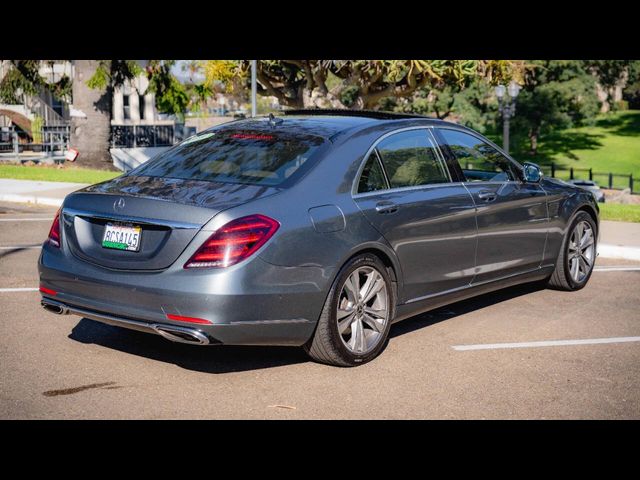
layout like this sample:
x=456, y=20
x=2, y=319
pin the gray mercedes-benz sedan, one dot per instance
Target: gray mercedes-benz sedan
x=317, y=229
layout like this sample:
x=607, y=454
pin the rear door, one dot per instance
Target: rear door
x=512, y=215
x=406, y=192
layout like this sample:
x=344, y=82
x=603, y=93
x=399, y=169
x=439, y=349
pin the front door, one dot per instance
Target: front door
x=512, y=215
x=406, y=192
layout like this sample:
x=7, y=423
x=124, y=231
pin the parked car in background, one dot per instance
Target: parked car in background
x=317, y=229
x=590, y=185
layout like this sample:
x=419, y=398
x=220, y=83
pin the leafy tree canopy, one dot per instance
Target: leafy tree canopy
x=356, y=83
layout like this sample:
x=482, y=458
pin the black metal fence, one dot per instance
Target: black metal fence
x=132, y=136
x=50, y=140
x=610, y=180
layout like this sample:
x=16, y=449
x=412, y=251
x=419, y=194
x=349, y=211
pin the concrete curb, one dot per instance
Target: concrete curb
x=53, y=202
x=617, y=251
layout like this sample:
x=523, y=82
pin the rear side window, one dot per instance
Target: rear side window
x=235, y=157
x=372, y=177
x=410, y=159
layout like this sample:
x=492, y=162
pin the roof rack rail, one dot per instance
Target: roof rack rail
x=354, y=113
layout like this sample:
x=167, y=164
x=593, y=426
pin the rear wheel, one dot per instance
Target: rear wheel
x=354, y=324
x=577, y=255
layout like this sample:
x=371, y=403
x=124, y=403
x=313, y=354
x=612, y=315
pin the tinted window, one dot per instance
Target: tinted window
x=372, y=177
x=234, y=157
x=409, y=158
x=478, y=160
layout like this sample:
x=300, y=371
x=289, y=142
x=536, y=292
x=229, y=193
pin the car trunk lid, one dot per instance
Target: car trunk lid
x=170, y=212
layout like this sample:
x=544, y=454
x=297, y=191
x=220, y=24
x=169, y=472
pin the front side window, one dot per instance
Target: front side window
x=479, y=161
x=409, y=159
x=235, y=157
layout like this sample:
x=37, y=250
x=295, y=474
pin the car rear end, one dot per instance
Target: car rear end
x=164, y=250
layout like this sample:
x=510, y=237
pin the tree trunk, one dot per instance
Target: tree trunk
x=90, y=135
x=534, y=133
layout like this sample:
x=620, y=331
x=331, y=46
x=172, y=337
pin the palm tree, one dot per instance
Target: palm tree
x=90, y=134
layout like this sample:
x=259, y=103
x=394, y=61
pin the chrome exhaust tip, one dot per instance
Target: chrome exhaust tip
x=54, y=308
x=181, y=335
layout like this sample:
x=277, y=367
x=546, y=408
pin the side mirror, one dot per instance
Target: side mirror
x=531, y=173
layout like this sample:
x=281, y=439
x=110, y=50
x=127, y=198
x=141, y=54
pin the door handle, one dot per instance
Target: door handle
x=386, y=207
x=487, y=195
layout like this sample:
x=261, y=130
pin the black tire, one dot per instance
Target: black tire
x=561, y=278
x=326, y=346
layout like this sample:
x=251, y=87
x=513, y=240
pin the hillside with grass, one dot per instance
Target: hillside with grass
x=612, y=144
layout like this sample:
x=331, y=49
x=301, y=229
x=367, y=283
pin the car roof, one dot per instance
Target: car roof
x=324, y=123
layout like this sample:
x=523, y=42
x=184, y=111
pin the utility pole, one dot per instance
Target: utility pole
x=254, y=87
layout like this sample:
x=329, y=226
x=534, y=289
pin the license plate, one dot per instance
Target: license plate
x=122, y=237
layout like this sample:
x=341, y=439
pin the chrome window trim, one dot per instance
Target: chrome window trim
x=432, y=139
x=429, y=186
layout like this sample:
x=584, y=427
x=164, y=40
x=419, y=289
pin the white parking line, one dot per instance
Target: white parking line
x=48, y=219
x=616, y=269
x=10, y=290
x=15, y=247
x=548, y=343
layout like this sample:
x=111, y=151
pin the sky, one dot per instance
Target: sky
x=177, y=71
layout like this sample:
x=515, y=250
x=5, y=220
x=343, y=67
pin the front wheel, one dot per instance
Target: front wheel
x=577, y=255
x=354, y=324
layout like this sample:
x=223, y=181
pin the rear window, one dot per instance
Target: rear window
x=257, y=158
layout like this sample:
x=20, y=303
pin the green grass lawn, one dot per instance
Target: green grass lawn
x=52, y=174
x=612, y=144
x=622, y=213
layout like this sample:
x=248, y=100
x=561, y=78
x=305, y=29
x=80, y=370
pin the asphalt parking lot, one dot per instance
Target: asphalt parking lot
x=444, y=364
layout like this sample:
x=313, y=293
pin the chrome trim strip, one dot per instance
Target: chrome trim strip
x=130, y=219
x=404, y=189
x=471, y=285
x=131, y=324
x=268, y=322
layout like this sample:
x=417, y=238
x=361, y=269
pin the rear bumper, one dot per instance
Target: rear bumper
x=285, y=332
x=253, y=303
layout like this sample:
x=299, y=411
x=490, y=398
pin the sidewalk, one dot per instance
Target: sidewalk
x=33, y=191
x=617, y=239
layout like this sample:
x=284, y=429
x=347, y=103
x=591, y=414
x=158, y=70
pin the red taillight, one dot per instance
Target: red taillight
x=180, y=318
x=47, y=291
x=54, y=231
x=234, y=242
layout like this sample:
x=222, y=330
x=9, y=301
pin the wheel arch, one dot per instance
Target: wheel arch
x=386, y=255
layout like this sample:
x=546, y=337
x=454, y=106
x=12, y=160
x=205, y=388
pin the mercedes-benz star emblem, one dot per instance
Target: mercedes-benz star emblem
x=119, y=204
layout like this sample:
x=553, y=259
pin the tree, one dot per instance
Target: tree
x=358, y=84
x=171, y=95
x=611, y=74
x=93, y=85
x=631, y=92
x=556, y=94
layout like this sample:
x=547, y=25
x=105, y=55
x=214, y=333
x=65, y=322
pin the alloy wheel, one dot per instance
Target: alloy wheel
x=581, y=253
x=363, y=310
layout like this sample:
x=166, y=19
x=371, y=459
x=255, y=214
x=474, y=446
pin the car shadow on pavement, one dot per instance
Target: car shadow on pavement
x=227, y=358
x=464, y=306
x=209, y=359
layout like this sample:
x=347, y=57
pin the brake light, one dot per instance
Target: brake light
x=234, y=242
x=250, y=136
x=54, y=231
